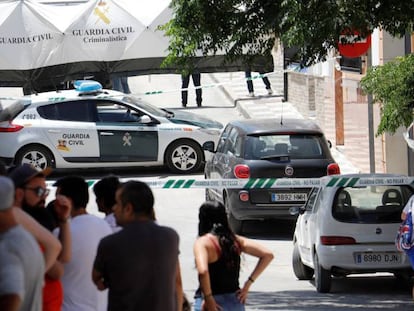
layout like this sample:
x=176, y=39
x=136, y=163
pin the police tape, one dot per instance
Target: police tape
x=158, y=92
x=269, y=183
x=213, y=85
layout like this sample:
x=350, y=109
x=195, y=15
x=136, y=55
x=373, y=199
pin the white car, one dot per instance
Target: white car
x=348, y=226
x=89, y=128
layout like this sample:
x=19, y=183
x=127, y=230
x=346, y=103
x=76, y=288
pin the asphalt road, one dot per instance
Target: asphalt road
x=277, y=288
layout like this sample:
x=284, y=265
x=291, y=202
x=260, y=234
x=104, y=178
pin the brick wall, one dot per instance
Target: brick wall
x=306, y=93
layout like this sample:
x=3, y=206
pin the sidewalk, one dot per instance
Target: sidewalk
x=264, y=106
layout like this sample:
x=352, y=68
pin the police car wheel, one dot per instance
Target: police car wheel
x=37, y=156
x=184, y=156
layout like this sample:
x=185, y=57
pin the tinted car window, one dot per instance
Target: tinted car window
x=230, y=145
x=294, y=146
x=376, y=204
x=143, y=105
x=115, y=112
x=223, y=139
x=310, y=204
x=82, y=111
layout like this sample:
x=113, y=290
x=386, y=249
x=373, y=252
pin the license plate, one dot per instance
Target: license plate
x=377, y=258
x=288, y=197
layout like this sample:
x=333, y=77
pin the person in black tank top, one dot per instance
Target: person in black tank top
x=217, y=253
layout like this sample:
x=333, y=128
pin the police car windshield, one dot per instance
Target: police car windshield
x=155, y=111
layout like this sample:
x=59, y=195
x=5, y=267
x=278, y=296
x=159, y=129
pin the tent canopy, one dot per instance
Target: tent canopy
x=46, y=44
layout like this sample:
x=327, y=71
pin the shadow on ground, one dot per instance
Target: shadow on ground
x=270, y=229
x=350, y=293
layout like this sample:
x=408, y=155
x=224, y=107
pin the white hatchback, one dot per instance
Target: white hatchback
x=348, y=226
x=89, y=128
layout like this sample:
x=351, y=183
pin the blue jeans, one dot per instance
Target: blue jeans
x=410, y=255
x=228, y=302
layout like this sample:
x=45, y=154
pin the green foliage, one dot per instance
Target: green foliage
x=238, y=29
x=392, y=85
x=245, y=28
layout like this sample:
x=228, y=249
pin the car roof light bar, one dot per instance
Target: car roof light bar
x=87, y=86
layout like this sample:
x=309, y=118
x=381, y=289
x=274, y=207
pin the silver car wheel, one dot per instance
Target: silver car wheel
x=184, y=157
x=37, y=156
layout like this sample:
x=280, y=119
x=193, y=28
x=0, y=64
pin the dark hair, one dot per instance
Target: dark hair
x=213, y=219
x=140, y=196
x=75, y=188
x=105, y=189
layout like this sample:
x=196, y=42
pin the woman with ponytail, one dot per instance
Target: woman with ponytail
x=217, y=253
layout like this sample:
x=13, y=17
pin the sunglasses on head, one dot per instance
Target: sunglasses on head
x=40, y=192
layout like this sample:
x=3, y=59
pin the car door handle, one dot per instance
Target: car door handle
x=106, y=134
x=54, y=131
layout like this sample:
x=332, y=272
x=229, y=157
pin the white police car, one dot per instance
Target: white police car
x=90, y=127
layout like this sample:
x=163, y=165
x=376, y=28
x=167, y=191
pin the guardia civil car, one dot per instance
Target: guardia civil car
x=90, y=127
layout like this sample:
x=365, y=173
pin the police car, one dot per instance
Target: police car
x=89, y=127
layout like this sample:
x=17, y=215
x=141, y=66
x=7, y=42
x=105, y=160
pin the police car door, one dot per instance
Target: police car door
x=70, y=128
x=122, y=136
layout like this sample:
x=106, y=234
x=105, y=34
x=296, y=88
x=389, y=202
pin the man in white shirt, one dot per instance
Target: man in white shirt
x=80, y=294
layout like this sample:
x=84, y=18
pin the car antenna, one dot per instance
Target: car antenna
x=281, y=115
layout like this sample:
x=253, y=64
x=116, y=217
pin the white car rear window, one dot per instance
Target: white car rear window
x=376, y=204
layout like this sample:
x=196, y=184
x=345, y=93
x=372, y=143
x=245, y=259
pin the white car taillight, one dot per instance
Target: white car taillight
x=337, y=240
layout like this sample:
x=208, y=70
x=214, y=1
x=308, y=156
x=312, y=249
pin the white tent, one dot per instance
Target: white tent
x=35, y=35
x=43, y=44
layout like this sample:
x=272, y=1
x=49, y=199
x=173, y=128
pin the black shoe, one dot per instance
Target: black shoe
x=198, y=104
x=184, y=105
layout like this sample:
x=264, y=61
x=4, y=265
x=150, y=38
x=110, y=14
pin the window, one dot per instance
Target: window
x=375, y=204
x=109, y=111
x=229, y=146
x=310, y=204
x=351, y=64
x=294, y=146
x=81, y=111
x=223, y=139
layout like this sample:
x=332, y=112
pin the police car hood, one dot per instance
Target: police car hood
x=184, y=117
